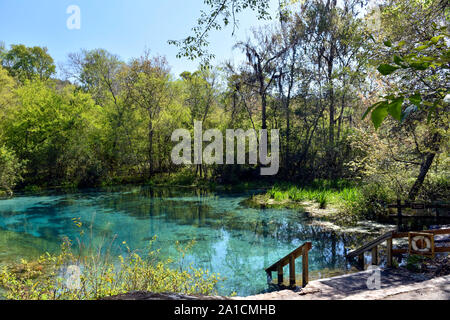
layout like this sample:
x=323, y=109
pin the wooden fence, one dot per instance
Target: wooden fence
x=390, y=251
x=441, y=211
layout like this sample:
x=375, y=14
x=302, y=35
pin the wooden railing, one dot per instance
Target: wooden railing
x=290, y=259
x=373, y=246
x=398, y=235
x=419, y=206
x=399, y=206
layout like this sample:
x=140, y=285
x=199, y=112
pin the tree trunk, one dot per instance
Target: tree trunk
x=425, y=167
x=288, y=131
x=331, y=129
x=150, y=148
x=331, y=153
x=263, y=110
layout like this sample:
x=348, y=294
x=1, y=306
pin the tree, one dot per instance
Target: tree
x=102, y=74
x=261, y=66
x=221, y=14
x=291, y=69
x=147, y=84
x=200, y=93
x=7, y=86
x=200, y=97
x=53, y=131
x=27, y=63
x=419, y=70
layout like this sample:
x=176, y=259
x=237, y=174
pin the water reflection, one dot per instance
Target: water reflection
x=232, y=240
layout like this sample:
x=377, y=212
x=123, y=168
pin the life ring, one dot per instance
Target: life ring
x=424, y=239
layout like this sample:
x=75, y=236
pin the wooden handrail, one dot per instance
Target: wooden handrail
x=370, y=245
x=290, y=259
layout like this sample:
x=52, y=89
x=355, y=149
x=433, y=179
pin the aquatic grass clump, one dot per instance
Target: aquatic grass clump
x=278, y=194
x=350, y=195
x=323, y=192
x=296, y=194
x=322, y=199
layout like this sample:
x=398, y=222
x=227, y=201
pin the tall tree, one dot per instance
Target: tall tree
x=260, y=68
x=26, y=63
x=147, y=84
x=101, y=74
x=201, y=97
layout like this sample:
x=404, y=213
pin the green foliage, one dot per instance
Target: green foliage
x=386, y=69
x=350, y=195
x=11, y=170
x=353, y=203
x=369, y=203
x=53, y=130
x=436, y=188
x=7, y=85
x=432, y=55
x=181, y=178
x=311, y=79
x=323, y=192
x=322, y=200
x=27, y=63
x=101, y=276
x=414, y=262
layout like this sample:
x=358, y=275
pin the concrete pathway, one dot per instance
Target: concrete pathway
x=393, y=284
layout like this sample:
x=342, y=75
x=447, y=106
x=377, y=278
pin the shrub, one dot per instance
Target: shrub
x=100, y=277
x=435, y=188
x=414, y=263
x=369, y=202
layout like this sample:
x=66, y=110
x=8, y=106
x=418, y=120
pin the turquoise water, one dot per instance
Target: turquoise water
x=235, y=241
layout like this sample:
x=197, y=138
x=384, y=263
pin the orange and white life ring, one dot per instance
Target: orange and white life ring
x=425, y=240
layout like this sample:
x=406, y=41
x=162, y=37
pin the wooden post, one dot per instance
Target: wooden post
x=375, y=255
x=280, y=274
x=305, y=275
x=399, y=215
x=292, y=271
x=361, y=262
x=389, y=253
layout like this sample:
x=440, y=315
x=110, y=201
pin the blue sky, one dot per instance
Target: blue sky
x=122, y=27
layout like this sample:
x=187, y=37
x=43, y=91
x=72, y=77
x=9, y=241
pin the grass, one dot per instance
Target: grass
x=322, y=200
x=323, y=192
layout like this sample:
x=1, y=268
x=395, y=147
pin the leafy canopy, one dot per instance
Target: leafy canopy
x=428, y=59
